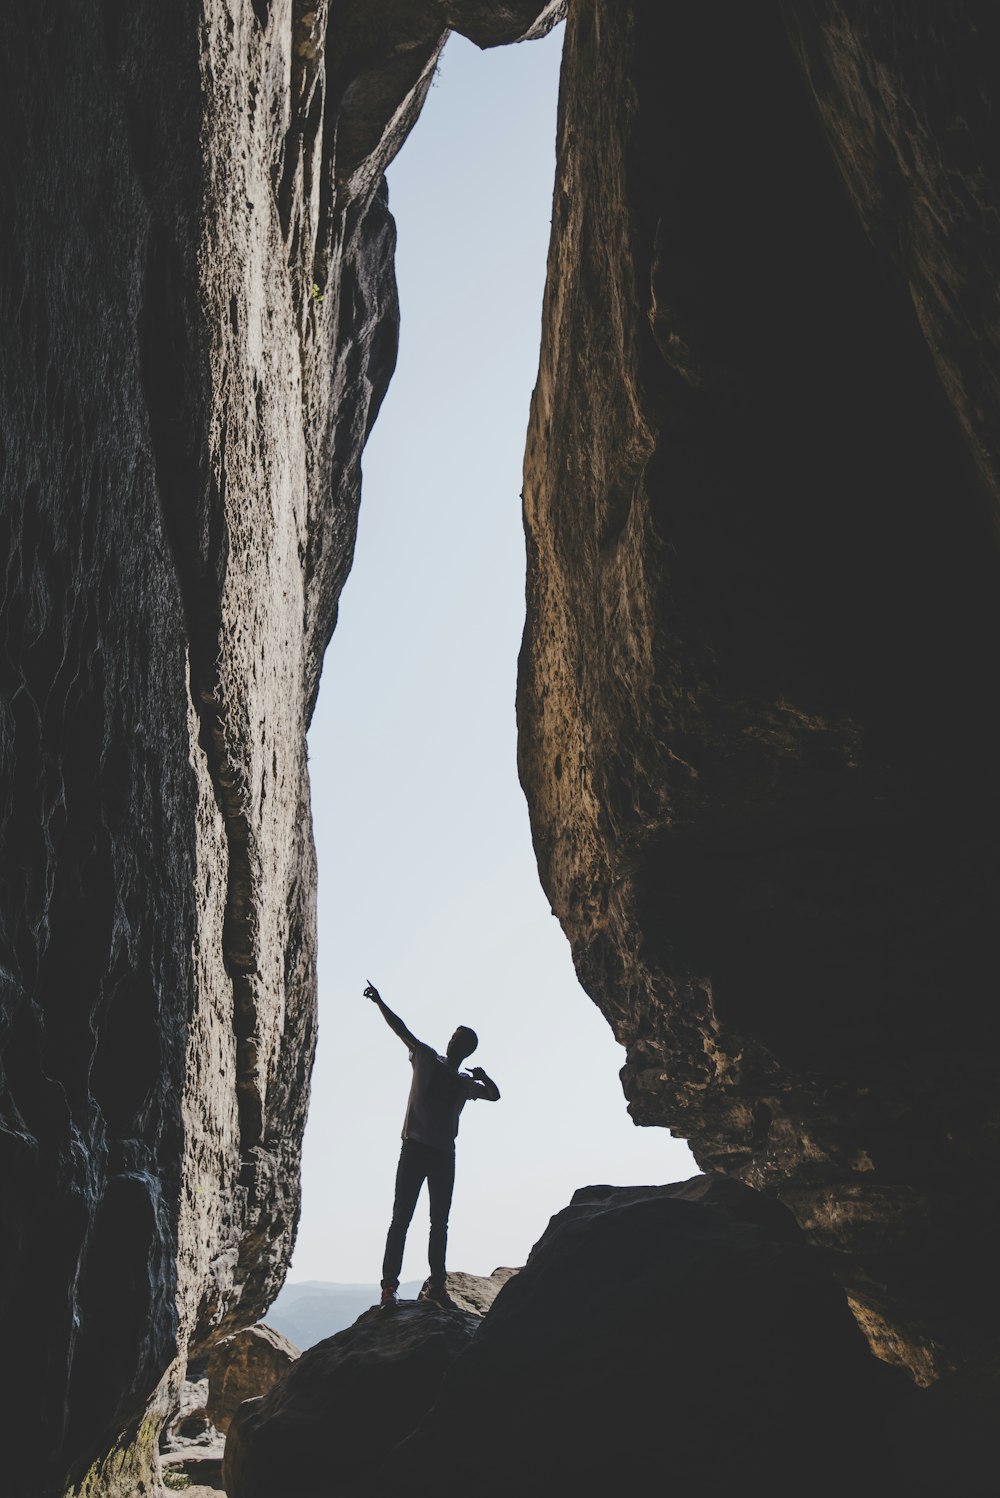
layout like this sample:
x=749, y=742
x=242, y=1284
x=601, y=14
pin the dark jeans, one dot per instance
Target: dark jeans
x=419, y=1163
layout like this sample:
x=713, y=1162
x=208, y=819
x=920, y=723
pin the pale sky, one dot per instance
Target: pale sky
x=427, y=879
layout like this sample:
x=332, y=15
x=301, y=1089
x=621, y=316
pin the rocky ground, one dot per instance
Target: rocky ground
x=683, y=1335
x=249, y=1364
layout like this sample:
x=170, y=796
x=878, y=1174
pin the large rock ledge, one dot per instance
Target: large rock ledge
x=759, y=713
x=680, y=1338
x=345, y=1402
x=197, y=294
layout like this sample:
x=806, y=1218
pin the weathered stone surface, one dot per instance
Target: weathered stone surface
x=476, y=1292
x=189, y=1429
x=245, y=1366
x=661, y=1339
x=908, y=103
x=199, y=308
x=344, y=1403
x=759, y=714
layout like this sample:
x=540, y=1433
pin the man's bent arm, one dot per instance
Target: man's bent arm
x=488, y=1089
x=394, y=1022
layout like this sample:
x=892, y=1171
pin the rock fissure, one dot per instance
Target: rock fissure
x=758, y=717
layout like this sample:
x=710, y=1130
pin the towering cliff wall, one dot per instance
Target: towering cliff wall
x=199, y=321
x=758, y=704
x=758, y=701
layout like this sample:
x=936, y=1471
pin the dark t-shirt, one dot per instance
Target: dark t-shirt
x=437, y=1096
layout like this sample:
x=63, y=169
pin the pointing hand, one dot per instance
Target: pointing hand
x=371, y=992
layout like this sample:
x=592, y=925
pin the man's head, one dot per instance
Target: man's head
x=461, y=1044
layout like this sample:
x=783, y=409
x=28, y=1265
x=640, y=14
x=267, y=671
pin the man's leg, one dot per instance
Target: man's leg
x=440, y=1184
x=410, y=1174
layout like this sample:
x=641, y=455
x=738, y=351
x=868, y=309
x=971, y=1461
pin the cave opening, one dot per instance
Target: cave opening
x=427, y=878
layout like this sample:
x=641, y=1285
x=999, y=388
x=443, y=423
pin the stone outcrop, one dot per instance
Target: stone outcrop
x=759, y=707
x=199, y=308
x=683, y=1336
x=189, y=1423
x=245, y=1366
x=476, y=1292
x=344, y=1403
x=661, y=1339
x=758, y=701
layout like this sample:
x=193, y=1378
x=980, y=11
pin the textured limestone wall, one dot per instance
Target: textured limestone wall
x=758, y=702
x=199, y=317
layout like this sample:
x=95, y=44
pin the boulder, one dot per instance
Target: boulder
x=245, y=1366
x=476, y=1292
x=344, y=1403
x=673, y=1339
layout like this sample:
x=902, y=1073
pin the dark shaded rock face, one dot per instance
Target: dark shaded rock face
x=199, y=319
x=758, y=704
x=946, y=1440
x=680, y=1337
x=908, y=104
x=661, y=1339
x=345, y=1403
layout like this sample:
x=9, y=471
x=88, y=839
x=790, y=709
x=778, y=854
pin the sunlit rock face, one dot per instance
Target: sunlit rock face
x=245, y=1366
x=199, y=319
x=758, y=702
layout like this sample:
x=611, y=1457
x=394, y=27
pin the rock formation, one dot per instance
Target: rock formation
x=197, y=293
x=759, y=710
x=676, y=1338
x=476, y=1292
x=245, y=1366
x=344, y=1403
x=758, y=702
x=190, y=1446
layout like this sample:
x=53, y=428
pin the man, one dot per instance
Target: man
x=438, y=1094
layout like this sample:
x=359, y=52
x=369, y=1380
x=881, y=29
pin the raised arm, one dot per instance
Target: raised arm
x=486, y=1088
x=393, y=1020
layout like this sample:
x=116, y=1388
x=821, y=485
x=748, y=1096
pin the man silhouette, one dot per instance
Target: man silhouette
x=438, y=1093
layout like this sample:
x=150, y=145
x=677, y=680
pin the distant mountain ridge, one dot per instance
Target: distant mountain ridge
x=310, y=1310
